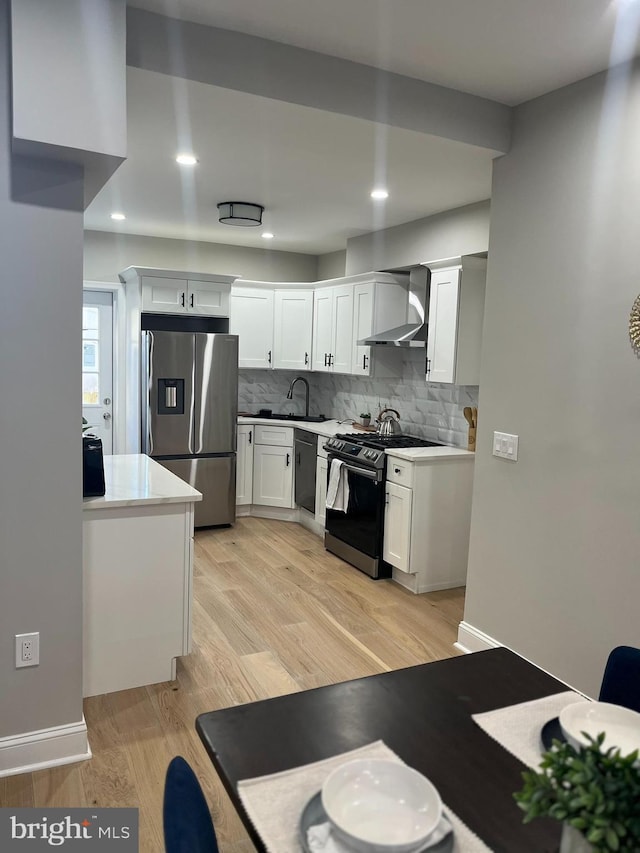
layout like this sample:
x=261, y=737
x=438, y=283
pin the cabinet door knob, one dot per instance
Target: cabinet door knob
x=397, y=470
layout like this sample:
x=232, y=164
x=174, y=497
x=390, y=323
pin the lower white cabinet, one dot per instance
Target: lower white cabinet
x=273, y=466
x=397, y=526
x=427, y=520
x=244, y=466
x=321, y=488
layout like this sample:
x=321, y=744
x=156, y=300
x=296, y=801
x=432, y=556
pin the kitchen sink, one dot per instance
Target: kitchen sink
x=312, y=419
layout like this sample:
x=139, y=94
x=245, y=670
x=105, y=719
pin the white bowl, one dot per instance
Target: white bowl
x=380, y=806
x=621, y=726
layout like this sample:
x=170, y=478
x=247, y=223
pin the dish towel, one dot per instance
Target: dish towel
x=275, y=803
x=338, y=487
x=517, y=727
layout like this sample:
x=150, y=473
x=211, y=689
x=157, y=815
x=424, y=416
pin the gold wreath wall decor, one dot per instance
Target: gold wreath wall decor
x=634, y=327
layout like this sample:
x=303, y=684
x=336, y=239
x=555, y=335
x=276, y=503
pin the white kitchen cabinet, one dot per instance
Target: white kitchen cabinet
x=377, y=306
x=456, y=312
x=321, y=488
x=244, y=466
x=184, y=296
x=428, y=519
x=252, y=320
x=273, y=466
x=273, y=475
x=397, y=525
x=333, y=329
x=292, y=330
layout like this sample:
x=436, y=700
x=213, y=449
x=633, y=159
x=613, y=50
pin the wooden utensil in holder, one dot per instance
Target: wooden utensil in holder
x=471, y=416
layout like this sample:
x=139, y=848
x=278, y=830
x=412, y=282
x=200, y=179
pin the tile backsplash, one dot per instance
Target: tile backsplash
x=427, y=409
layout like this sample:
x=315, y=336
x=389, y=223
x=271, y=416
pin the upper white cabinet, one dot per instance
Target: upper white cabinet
x=377, y=306
x=456, y=311
x=292, y=329
x=317, y=326
x=173, y=292
x=333, y=329
x=252, y=320
x=183, y=296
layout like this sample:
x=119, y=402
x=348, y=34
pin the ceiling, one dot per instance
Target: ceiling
x=506, y=50
x=313, y=170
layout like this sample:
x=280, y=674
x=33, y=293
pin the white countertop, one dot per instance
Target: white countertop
x=134, y=479
x=327, y=428
x=428, y=454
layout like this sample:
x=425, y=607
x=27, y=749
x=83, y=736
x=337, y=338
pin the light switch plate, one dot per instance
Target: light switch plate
x=505, y=446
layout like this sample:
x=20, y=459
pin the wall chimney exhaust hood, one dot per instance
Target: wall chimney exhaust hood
x=413, y=333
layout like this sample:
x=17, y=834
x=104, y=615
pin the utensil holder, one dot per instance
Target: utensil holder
x=472, y=439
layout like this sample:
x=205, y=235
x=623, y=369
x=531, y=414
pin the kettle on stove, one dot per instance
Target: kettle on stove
x=387, y=423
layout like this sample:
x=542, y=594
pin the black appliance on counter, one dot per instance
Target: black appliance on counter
x=92, y=467
x=356, y=535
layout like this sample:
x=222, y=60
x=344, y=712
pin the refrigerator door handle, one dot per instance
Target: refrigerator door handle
x=149, y=431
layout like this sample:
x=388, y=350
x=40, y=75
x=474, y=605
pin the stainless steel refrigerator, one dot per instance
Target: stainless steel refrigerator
x=189, y=414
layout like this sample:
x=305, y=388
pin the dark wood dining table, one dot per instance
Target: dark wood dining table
x=423, y=713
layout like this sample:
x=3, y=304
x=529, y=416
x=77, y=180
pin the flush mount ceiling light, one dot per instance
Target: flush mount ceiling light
x=379, y=194
x=186, y=159
x=118, y=216
x=267, y=235
x=240, y=213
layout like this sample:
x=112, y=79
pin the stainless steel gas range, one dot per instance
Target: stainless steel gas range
x=356, y=535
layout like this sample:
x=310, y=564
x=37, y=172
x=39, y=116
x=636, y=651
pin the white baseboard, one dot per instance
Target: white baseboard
x=45, y=748
x=276, y=512
x=471, y=639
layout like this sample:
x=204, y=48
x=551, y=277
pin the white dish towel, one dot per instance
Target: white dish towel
x=338, y=487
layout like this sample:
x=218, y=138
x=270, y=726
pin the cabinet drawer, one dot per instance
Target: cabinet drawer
x=274, y=435
x=399, y=471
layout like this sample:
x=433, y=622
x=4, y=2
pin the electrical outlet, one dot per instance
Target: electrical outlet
x=27, y=649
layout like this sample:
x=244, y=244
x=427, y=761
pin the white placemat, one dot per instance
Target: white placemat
x=517, y=727
x=275, y=803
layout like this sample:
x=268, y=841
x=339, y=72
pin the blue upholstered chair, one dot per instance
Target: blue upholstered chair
x=188, y=827
x=621, y=680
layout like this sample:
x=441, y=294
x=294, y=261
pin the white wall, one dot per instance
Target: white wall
x=332, y=265
x=40, y=419
x=555, y=539
x=462, y=231
x=107, y=253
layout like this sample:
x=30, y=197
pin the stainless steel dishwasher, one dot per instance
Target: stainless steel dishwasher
x=305, y=449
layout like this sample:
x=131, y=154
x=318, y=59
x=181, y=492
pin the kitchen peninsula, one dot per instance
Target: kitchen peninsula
x=138, y=569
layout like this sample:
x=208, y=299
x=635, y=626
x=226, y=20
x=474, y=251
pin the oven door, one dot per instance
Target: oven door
x=356, y=535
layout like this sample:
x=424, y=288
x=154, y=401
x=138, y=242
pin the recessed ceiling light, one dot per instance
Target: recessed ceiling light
x=379, y=194
x=118, y=216
x=186, y=159
x=267, y=235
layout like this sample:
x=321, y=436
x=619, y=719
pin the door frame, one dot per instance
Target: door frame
x=116, y=289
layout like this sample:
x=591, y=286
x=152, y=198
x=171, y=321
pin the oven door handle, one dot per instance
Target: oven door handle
x=363, y=472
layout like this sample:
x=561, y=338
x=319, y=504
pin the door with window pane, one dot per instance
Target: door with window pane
x=97, y=365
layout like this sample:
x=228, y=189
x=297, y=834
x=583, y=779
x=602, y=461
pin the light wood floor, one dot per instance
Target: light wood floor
x=273, y=614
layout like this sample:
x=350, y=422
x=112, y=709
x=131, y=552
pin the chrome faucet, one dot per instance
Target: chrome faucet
x=290, y=392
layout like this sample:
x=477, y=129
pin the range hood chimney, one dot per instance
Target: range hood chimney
x=413, y=333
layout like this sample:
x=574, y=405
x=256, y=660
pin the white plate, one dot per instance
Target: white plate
x=620, y=725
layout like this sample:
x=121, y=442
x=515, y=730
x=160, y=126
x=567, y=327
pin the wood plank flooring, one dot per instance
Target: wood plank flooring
x=273, y=613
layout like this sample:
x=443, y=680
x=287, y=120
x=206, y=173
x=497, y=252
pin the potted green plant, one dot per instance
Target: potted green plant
x=365, y=418
x=594, y=792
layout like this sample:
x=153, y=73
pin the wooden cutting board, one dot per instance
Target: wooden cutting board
x=364, y=428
